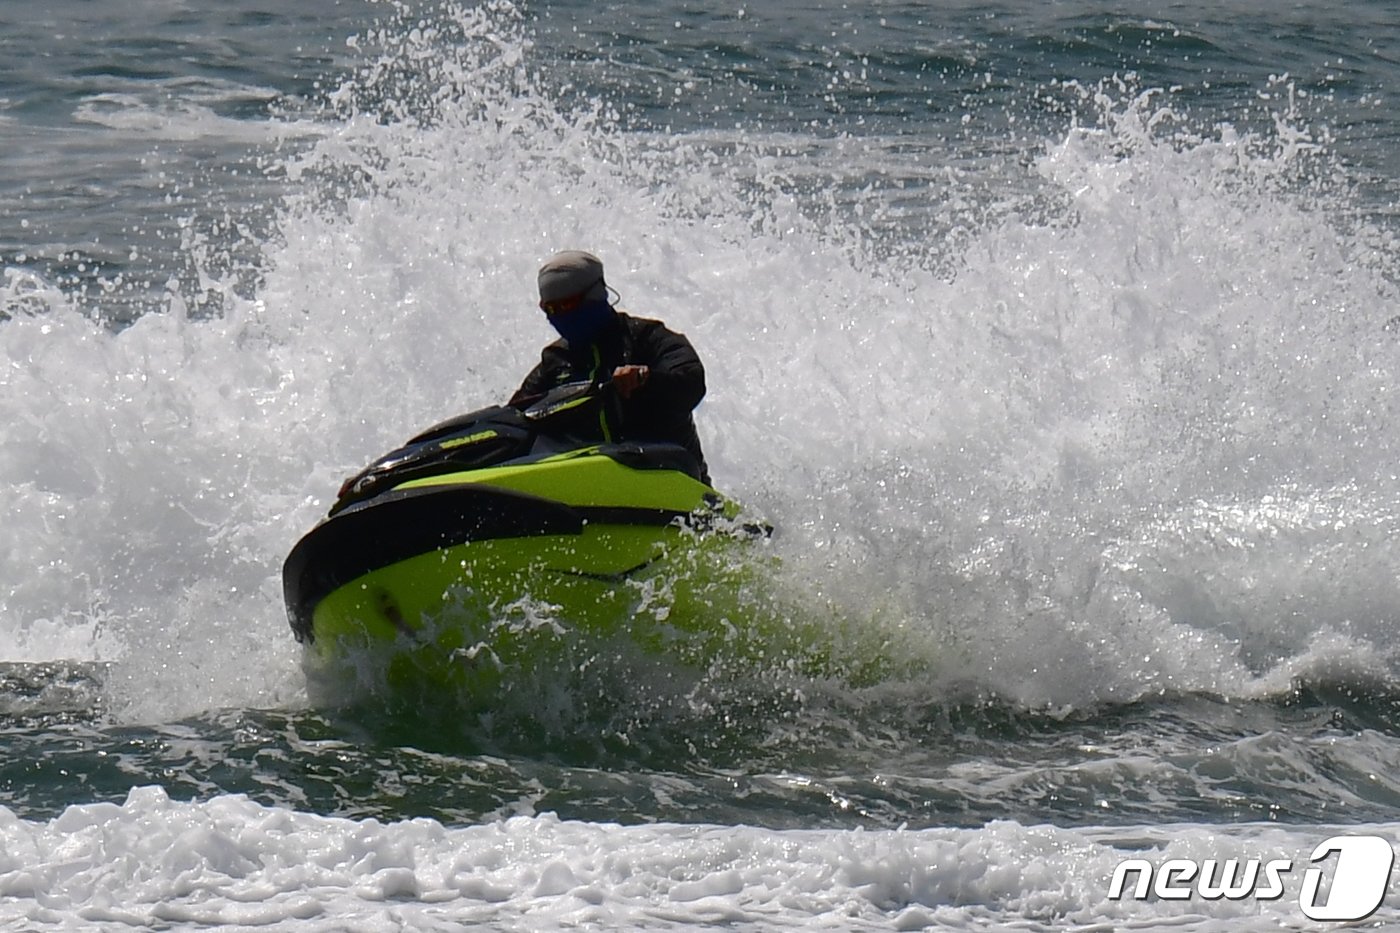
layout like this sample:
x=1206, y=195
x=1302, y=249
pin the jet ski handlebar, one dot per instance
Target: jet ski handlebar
x=565, y=397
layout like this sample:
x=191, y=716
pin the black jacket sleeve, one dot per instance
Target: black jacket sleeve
x=677, y=377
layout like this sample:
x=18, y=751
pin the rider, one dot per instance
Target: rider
x=657, y=375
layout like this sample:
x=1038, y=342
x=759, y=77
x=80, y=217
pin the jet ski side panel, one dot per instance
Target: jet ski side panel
x=555, y=497
x=404, y=524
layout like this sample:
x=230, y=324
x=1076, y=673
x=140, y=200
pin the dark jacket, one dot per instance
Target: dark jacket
x=660, y=410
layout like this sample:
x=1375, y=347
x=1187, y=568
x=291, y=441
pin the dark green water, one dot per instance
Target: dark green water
x=879, y=759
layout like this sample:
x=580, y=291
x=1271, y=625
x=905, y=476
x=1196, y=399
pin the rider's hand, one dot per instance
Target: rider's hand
x=628, y=379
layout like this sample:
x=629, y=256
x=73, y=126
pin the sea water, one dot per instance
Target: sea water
x=1057, y=341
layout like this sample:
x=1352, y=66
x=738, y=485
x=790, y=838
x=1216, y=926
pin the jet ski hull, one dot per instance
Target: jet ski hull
x=453, y=581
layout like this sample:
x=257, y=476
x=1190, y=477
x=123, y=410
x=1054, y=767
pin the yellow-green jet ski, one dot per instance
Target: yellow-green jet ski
x=488, y=540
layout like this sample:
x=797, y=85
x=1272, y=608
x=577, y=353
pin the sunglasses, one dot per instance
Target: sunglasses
x=562, y=306
x=569, y=304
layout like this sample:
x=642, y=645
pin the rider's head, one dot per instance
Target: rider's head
x=569, y=279
x=574, y=295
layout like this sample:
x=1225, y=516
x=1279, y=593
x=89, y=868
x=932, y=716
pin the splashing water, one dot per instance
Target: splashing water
x=1130, y=433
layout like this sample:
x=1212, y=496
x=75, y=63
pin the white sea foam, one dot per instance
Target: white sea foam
x=232, y=863
x=185, y=111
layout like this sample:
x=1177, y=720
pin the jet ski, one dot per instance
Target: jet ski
x=485, y=536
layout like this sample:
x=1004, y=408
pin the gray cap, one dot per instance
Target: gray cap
x=572, y=272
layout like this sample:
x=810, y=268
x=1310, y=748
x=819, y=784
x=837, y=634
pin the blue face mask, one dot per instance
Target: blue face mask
x=583, y=324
